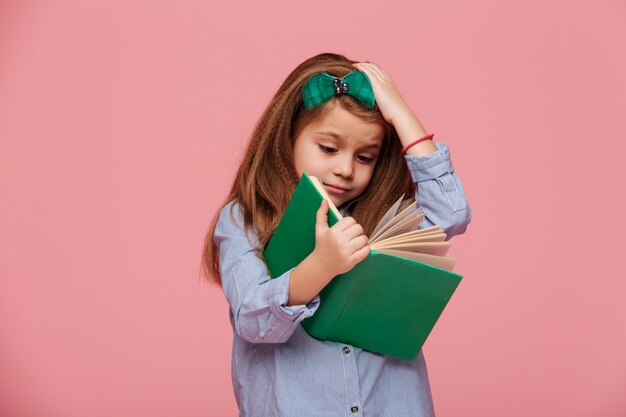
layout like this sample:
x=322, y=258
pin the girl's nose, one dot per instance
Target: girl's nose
x=345, y=167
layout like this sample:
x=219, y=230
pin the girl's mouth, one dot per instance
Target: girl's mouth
x=335, y=189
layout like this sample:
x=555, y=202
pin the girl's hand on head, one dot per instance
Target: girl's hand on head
x=395, y=110
x=390, y=102
x=340, y=247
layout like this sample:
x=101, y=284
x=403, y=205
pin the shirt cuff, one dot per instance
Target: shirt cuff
x=282, y=311
x=433, y=165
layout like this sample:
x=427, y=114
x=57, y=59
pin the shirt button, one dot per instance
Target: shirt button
x=354, y=409
x=346, y=350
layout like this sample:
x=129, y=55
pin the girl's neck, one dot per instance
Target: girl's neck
x=345, y=207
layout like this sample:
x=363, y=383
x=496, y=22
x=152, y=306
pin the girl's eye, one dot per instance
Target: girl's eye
x=327, y=149
x=362, y=158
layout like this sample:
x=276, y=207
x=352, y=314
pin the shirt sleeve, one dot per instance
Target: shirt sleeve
x=439, y=191
x=257, y=302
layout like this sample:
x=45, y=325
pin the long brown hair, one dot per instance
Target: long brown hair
x=267, y=176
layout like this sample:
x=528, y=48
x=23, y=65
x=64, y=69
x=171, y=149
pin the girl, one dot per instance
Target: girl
x=345, y=123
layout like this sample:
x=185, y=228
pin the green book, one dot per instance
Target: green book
x=387, y=303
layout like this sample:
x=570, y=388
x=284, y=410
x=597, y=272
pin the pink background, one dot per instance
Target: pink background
x=122, y=124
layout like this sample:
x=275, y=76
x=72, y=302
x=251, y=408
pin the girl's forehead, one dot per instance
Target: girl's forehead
x=340, y=124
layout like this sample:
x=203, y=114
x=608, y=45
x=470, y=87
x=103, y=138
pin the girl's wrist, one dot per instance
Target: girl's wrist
x=319, y=266
x=401, y=114
x=409, y=129
x=416, y=142
x=307, y=280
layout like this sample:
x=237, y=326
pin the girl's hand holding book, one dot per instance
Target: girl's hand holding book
x=340, y=247
x=337, y=250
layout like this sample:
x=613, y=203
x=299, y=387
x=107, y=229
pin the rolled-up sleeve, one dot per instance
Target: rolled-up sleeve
x=258, y=303
x=439, y=191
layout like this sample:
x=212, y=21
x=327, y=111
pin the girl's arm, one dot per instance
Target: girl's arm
x=439, y=190
x=257, y=302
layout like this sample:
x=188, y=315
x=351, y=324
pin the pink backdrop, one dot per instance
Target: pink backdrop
x=121, y=127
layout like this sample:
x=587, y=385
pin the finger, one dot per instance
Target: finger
x=360, y=254
x=378, y=71
x=344, y=223
x=357, y=243
x=383, y=75
x=372, y=71
x=321, y=220
x=353, y=231
x=367, y=69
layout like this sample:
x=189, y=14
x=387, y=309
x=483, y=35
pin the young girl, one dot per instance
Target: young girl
x=345, y=123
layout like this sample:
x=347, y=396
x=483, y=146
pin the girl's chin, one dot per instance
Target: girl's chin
x=337, y=202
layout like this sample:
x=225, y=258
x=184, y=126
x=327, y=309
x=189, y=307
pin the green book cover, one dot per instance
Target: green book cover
x=385, y=304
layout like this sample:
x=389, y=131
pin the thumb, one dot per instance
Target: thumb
x=321, y=221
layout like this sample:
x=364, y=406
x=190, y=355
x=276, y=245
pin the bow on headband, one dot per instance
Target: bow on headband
x=322, y=86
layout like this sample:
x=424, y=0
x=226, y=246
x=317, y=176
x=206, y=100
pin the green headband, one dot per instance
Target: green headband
x=322, y=86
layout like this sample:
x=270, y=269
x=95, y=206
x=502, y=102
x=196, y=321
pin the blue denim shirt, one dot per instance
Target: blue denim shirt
x=278, y=369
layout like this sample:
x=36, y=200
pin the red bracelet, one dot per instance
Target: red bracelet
x=406, y=148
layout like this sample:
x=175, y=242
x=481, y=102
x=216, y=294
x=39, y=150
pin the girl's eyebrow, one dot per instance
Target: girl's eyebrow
x=335, y=135
x=339, y=137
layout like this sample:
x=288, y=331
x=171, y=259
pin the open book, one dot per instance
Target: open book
x=397, y=233
x=389, y=302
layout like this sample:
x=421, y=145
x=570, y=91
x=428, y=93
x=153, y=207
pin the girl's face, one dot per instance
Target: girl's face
x=341, y=150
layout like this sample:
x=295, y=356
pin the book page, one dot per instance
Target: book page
x=409, y=223
x=388, y=216
x=424, y=231
x=434, y=236
x=397, y=219
x=437, y=261
x=431, y=248
x=322, y=190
